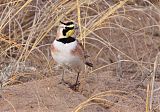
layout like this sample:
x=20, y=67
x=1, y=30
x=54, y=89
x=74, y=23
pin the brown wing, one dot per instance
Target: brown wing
x=53, y=49
x=79, y=51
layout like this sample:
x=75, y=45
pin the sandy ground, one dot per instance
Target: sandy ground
x=48, y=95
x=44, y=96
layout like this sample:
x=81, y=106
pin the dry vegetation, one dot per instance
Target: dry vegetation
x=122, y=37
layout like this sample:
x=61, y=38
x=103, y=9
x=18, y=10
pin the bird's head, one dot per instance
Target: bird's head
x=66, y=29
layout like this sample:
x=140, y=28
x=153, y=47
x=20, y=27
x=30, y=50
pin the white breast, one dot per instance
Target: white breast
x=65, y=47
x=63, y=54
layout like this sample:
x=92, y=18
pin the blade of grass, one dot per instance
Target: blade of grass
x=153, y=81
x=29, y=1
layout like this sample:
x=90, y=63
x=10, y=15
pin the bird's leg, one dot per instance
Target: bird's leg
x=64, y=68
x=59, y=67
x=63, y=76
x=77, y=83
x=74, y=86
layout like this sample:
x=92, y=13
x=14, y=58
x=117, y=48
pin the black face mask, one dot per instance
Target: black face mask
x=67, y=40
x=66, y=30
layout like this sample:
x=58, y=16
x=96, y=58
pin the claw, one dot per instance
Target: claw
x=75, y=86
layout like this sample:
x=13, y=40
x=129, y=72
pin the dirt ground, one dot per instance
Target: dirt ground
x=43, y=96
x=48, y=95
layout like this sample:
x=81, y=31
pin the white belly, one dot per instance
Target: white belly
x=63, y=55
x=65, y=58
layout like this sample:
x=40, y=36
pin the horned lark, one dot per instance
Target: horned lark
x=67, y=51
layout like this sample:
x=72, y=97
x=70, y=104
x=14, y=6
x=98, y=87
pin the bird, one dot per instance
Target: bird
x=68, y=52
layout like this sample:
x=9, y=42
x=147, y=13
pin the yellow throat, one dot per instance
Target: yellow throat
x=70, y=33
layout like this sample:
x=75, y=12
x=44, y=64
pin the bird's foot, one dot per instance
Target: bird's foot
x=63, y=82
x=75, y=86
x=72, y=86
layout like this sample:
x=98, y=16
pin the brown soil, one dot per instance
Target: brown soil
x=44, y=96
x=48, y=95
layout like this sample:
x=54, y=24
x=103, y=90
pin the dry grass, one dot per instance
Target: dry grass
x=99, y=99
x=122, y=36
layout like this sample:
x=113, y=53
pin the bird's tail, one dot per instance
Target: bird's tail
x=89, y=64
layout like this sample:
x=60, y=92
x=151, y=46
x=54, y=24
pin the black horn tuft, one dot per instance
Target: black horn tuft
x=67, y=23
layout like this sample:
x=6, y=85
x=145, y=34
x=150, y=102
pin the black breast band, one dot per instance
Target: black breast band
x=66, y=40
